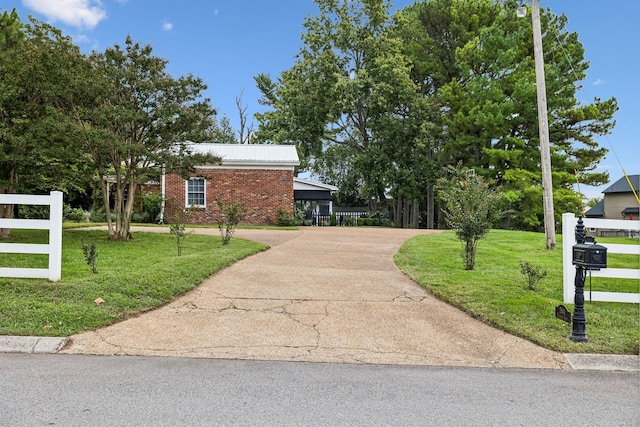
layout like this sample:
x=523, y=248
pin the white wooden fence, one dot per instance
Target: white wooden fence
x=569, y=222
x=53, y=224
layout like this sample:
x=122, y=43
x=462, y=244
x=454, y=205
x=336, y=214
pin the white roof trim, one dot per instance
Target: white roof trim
x=303, y=184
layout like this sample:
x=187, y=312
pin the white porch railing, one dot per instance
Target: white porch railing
x=53, y=224
x=569, y=222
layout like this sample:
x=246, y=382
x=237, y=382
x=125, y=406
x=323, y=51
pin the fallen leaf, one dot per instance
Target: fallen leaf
x=98, y=301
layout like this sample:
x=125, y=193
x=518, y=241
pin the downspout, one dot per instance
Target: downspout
x=162, y=192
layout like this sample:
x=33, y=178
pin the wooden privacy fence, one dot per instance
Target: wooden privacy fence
x=569, y=222
x=53, y=224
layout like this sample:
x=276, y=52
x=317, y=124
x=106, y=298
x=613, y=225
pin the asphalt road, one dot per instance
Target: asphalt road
x=69, y=390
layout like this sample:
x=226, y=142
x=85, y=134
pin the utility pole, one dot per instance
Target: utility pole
x=543, y=124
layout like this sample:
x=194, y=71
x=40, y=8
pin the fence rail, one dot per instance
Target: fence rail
x=568, y=270
x=53, y=224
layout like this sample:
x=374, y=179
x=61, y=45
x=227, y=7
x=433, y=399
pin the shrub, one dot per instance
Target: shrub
x=178, y=226
x=33, y=212
x=334, y=221
x=367, y=222
x=73, y=214
x=472, y=206
x=229, y=217
x=76, y=215
x=141, y=217
x=533, y=274
x=98, y=215
x=90, y=255
x=151, y=205
x=285, y=218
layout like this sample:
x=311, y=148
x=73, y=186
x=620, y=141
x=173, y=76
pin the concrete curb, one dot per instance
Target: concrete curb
x=604, y=362
x=33, y=345
x=593, y=362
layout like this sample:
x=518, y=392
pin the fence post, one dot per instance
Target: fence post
x=568, y=272
x=55, y=236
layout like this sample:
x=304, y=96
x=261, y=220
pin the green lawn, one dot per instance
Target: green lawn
x=496, y=291
x=133, y=277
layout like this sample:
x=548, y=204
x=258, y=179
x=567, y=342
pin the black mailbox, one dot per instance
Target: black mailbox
x=591, y=256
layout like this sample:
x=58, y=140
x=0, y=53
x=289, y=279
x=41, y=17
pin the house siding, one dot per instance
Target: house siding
x=615, y=203
x=263, y=192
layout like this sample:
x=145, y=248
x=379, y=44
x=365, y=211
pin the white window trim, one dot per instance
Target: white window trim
x=186, y=192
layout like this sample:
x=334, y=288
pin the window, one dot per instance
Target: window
x=195, y=192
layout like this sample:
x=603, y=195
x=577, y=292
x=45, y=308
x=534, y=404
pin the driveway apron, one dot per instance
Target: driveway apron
x=320, y=294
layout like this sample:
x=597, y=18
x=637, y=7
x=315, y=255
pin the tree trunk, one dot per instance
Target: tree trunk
x=430, y=208
x=441, y=224
x=6, y=211
x=104, y=185
x=416, y=214
x=397, y=220
x=405, y=213
x=506, y=222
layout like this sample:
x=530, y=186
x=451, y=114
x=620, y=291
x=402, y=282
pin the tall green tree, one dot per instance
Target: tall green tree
x=475, y=60
x=37, y=153
x=349, y=85
x=135, y=119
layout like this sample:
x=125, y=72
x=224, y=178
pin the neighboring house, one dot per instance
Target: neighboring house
x=313, y=198
x=259, y=176
x=619, y=201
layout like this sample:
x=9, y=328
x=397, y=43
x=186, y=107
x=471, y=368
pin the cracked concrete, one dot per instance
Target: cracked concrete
x=318, y=295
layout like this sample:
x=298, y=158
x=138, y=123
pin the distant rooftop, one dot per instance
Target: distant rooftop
x=250, y=154
x=596, y=210
x=622, y=186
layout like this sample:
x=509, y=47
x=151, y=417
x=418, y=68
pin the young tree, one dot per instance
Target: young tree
x=140, y=119
x=472, y=207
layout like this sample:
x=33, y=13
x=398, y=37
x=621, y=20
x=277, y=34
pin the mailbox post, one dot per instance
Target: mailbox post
x=587, y=255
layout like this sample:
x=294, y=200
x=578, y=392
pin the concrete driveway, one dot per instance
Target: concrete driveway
x=320, y=294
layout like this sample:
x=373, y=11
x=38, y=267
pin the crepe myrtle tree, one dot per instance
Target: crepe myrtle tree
x=472, y=206
x=135, y=118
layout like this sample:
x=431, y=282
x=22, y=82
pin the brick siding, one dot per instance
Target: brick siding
x=262, y=192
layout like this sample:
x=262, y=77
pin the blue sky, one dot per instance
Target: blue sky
x=228, y=42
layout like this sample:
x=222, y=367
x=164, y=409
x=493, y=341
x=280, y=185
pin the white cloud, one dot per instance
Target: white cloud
x=599, y=82
x=215, y=12
x=78, y=13
x=167, y=26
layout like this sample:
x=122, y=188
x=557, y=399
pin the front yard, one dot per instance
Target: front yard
x=496, y=292
x=133, y=277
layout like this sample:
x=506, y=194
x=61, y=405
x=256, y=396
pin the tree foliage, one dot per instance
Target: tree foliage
x=138, y=118
x=347, y=92
x=472, y=206
x=37, y=150
x=443, y=82
x=475, y=59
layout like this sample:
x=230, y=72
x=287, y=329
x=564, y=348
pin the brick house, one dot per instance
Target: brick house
x=260, y=176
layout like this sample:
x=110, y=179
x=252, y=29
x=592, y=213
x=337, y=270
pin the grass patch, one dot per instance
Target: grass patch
x=133, y=277
x=496, y=291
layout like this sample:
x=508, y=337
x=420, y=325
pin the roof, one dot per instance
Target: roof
x=303, y=184
x=622, y=186
x=596, y=210
x=250, y=154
